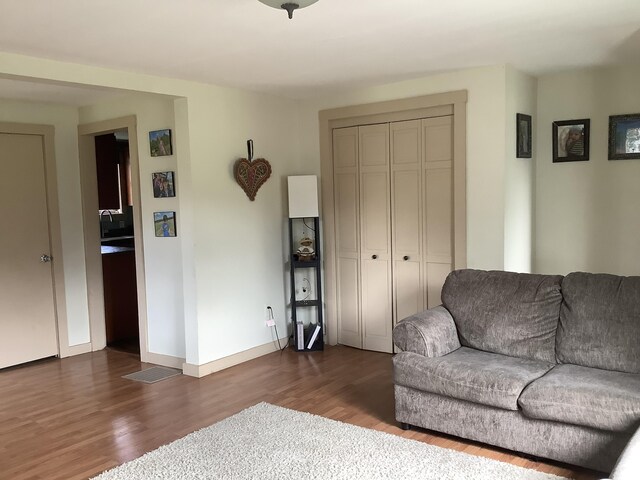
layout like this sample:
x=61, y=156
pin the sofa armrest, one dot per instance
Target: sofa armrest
x=628, y=464
x=431, y=333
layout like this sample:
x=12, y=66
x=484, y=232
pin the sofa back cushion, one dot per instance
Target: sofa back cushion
x=514, y=314
x=600, y=322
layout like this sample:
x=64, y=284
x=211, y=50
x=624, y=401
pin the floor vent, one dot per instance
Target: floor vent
x=153, y=374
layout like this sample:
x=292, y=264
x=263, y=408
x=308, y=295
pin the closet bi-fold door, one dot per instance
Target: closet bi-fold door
x=407, y=215
x=347, y=228
x=375, y=238
x=437, y=146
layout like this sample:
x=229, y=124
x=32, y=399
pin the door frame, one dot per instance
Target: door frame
x=91, y=228
x=390, y=111
x=47, y=133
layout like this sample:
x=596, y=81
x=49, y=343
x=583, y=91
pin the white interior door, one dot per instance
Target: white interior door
x=27, y=321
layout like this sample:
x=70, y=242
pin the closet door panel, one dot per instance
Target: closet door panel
x=347, y=224
x=376, y=305
x=375, y=243
x=406, y=215
x=438, y=205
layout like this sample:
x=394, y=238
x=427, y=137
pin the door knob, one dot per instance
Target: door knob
x=45, y=258
x=374, y=256
x=405, y=258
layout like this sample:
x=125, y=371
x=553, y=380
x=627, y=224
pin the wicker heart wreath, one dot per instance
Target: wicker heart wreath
x=250, y=175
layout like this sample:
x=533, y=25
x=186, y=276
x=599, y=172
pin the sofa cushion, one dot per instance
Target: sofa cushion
x=585, y=396
x=514, y=314
x=472, y=375
x=600, y=322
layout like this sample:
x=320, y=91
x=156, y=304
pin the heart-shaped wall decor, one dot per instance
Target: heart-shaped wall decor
x=251, y=175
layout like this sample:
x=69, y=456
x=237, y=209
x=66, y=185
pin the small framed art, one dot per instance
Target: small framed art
x=523, y=134
x=163, y=185
x=164, y=224
x=571, y=140
x=624, y=137
x=160, y=143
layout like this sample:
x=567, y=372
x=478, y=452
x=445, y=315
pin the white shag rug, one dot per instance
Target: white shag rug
x=268, y=442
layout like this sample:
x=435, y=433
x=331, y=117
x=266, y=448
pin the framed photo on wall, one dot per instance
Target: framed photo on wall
x=571, y=140
x=523, y=135
x=164, y=224
x=160, y=143
x=163, y=185
x=624, y=137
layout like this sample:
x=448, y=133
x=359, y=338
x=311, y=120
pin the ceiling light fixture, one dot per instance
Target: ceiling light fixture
x=288, y=6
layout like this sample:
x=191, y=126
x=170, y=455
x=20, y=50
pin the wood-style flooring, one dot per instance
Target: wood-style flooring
x=75, y=417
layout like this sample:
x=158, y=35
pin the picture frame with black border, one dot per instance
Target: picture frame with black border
x=523, y=136
x=624, y=137
x=164, y=224
x=163, y=184
x=160, y=143
x=571, y=140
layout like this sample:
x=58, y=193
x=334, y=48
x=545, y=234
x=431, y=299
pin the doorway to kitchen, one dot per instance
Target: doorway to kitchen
x=117, y=241
x=113, y=235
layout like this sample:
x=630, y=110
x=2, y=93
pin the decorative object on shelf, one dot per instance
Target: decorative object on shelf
x=163, y=185
x=290, y=7
x=624, y=137
x=251, y=174
x=305, y=252
x=571, y=140
x=164, y=224
x=160, y=143
x=523, y=136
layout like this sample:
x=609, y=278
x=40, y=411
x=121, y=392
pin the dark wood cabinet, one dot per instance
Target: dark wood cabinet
x=112, y=168
x=120, y=296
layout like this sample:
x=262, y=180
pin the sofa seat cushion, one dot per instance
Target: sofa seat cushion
x=585, y=396
x=468, y=374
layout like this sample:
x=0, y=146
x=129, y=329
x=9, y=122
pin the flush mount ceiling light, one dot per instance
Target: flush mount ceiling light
x=288, y=6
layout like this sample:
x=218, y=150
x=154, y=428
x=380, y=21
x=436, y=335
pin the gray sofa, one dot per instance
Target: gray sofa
x=541, y=364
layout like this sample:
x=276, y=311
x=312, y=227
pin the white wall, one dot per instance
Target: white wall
x=486, y=110
x=65, y=121
x=240, y=246
x=519, y=180
x=587, y=213
x=231, y=251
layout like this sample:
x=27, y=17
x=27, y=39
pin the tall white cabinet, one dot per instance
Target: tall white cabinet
x=393, y=192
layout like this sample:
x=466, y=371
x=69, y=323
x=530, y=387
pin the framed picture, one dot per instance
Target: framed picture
x=160, y=143
x=163, y=185
x=164, y=224
x=624, y=137
x=571, y=140
x=523, y=140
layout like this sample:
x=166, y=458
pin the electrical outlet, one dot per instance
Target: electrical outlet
x=270, y=320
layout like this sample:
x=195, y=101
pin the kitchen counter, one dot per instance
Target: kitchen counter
x=109, y=249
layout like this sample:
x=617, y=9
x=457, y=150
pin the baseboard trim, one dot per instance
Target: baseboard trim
x=75, y=350
x=163, y=360
x=200, y=371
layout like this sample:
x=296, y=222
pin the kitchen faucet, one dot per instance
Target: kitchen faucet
x=103, y=226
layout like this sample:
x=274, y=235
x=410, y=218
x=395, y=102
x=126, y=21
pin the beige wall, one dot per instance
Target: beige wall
x=519, y=181
x=65, y=121
x=486, y=110
x=587, y=212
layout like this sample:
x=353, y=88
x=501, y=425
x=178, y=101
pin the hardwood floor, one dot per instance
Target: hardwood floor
x=75, y=417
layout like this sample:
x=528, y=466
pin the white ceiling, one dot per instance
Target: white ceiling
x=330, y=45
